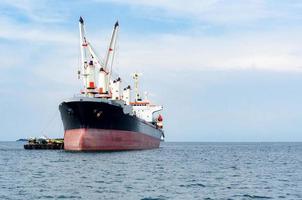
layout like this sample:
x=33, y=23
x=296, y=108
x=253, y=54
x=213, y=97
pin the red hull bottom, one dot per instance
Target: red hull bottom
x=107, y=140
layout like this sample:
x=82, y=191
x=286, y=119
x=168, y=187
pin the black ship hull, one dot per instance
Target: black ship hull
x=105, y=125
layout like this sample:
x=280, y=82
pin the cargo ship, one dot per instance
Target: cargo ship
x=104, y=116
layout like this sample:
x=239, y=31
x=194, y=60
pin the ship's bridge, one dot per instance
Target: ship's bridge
x=145, y=110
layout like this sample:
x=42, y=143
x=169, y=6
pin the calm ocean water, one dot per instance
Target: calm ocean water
x=174, y=171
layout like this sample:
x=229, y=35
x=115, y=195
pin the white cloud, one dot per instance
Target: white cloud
x=11, y=30
x=37, y=10
x=269, y=51
x=211, y=11
x=276, y=50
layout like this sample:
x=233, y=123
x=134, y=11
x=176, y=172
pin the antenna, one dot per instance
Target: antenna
x=146, y=96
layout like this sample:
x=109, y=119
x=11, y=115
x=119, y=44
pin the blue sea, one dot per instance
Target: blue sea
x=174, y=171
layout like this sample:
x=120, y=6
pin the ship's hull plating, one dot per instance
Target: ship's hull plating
x=107, y=140
x=100, y=126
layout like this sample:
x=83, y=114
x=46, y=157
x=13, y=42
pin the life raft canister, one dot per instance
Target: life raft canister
x=160, y=121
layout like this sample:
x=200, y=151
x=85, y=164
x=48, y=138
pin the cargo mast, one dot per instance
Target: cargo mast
x=88, y=67
x=110, y=54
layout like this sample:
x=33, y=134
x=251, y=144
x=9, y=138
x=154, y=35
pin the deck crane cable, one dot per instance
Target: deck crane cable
x=94, y=55
x=49, y=122
x=78, y=65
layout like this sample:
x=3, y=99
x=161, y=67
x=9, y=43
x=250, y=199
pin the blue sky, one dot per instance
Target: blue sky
x=224, y=70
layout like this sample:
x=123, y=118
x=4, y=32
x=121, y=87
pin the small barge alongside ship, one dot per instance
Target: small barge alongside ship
x=43, y=143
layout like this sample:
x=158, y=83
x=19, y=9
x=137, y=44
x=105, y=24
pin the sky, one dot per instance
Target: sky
x=225, y=71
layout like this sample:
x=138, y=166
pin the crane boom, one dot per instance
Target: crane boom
x=90, y=60
x=111, y=49
x=83, y=47
x=87, y=64
x=110, y=55
x=83, y=43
